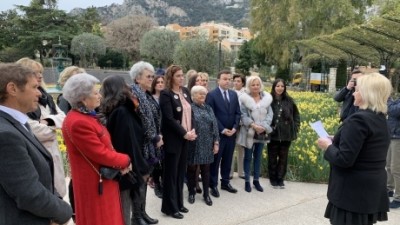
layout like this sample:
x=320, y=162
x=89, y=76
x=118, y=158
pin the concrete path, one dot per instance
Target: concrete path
x=297, y=204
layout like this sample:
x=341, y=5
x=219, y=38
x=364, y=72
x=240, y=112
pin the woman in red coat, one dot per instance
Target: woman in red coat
x=97, y=200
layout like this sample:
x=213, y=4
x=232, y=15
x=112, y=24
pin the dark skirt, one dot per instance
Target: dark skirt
x=339, y=216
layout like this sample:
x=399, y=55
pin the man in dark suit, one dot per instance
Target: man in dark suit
x=226, y=108
x=27, y=194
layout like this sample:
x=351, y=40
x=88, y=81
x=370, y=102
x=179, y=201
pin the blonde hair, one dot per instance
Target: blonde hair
x=68, y=72
x=203, y=75
x=30, y=63
x=250, y=80
x=375, y=90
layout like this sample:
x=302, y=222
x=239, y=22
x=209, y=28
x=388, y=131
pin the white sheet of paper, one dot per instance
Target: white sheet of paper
x=319, y=128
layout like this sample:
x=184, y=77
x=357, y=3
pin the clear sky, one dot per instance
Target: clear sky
x=66, y=5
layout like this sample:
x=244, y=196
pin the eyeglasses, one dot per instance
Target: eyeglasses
x=150, y=77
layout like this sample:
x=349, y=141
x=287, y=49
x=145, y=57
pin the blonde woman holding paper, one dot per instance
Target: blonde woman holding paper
x=357, y=156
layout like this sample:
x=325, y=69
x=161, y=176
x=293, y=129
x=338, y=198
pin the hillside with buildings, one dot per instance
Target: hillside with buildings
x=183, y=12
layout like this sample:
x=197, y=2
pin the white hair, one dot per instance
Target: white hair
x=79, y=87
x=138, y=68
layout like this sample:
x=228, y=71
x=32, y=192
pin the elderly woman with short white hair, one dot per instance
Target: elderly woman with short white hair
x=142, y=74
x=89, y=147
x=201, y=152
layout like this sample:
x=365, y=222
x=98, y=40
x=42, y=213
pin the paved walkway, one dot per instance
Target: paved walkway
x=297, y=204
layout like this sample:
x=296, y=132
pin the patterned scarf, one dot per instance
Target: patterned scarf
x=148, y=115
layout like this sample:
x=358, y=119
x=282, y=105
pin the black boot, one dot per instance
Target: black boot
x=158, y=191
x=138, y=221
x=148, y=219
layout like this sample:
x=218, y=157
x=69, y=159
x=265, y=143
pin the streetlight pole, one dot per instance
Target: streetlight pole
x=219, y=52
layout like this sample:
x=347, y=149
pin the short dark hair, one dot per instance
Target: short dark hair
x=223, y=72
x=241, y=76
x=16, y=73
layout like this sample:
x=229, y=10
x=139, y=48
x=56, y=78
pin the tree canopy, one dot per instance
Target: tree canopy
x=157, y=46
x=280, y=23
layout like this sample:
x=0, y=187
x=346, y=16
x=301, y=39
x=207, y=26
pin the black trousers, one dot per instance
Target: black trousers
x=278, y=152
x=173, y=177
x=193, y=176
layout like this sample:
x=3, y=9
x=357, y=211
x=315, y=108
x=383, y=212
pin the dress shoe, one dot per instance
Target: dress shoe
x=230, y=177
x=394, y=204
x=191, y=199
x=177, y=215
x=214, y=192
x=247, y=186
x=281, y=184
x=158, y=190
x=183, y=209
x=390, y=193
x=229, y=188
x=258, y=186
x=148, y=219
x=138, y=221
x=241, y=177
x=208, y=200
x=274, y=184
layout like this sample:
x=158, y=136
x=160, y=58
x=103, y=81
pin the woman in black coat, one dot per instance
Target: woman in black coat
x=286, y=124
x=177, y=129
x=357, y=155
x=119, y=108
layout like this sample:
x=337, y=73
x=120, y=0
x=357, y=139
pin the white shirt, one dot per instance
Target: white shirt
x=17, y=115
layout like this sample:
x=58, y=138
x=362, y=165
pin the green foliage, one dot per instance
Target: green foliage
x=112, y=59
x=157, y=47
x=88, y=47
x=7, y=29
x=11, y=54
x=280, y=23
x=245, y=61
x=198, y=54
x=283, y=73
x=90, y=21
x=341, y=74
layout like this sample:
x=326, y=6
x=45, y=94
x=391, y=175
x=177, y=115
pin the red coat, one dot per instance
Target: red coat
x=93, y=140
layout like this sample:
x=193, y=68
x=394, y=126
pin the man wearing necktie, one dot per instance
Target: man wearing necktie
x=27, y=193
x=225, y=105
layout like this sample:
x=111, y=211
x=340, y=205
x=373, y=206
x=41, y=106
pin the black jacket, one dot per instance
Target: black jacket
x=346, y=96
x=125, y=128
x=357, y=181
x=284, y=129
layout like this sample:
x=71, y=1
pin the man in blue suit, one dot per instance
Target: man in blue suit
x=226, y=108
x=27, y=194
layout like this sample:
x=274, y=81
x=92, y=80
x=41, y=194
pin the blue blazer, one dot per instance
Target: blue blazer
x=27, y=194
x=227, y=117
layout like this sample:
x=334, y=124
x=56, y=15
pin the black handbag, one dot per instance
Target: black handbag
x=261, y=137
x=108, y=172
